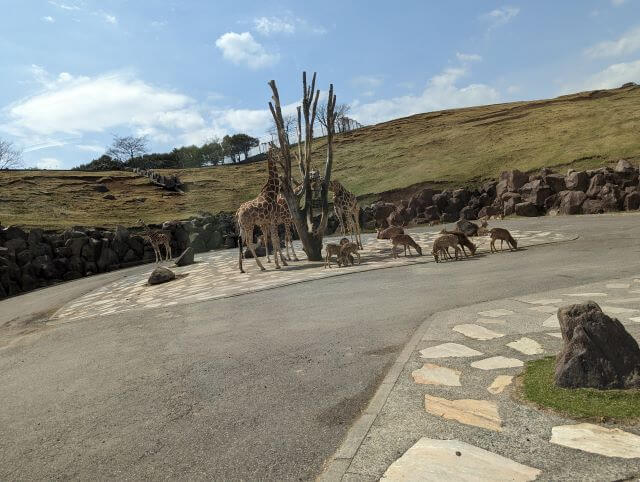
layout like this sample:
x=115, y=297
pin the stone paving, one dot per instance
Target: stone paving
x=215, y=275
x=452, y=415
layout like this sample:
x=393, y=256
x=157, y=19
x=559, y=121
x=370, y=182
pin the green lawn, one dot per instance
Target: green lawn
x=538, y=386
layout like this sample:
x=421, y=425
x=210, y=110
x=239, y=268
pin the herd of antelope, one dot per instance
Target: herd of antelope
x=456, y=240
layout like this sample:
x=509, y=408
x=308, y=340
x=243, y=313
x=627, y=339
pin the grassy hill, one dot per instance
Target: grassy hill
x=446, y=148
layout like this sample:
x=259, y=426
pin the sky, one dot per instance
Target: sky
x=74, y=73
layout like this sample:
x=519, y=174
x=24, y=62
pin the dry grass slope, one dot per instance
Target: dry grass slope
x=452, y=147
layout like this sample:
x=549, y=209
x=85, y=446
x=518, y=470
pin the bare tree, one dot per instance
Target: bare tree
x=126, y=148
x=289, y=125
x=311, y=233
x=341, y=111
x=10, y=156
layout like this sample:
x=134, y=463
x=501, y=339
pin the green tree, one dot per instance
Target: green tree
x=212, y=152
x=244, y=143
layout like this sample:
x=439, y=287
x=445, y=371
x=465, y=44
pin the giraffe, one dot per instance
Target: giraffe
x=157, y=238
x=262, y=212
x=346, y=207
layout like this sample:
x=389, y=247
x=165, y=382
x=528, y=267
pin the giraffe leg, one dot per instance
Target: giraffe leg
x=295, y=257
x=287, y=239
x=275, y=242
x=252, y=246
x=339, y=216
x=357, y=226
x=265, y=241
x=167, y=248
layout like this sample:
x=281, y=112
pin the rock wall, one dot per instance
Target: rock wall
x=578, y=192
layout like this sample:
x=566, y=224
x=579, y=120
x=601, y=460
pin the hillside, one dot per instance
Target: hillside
x=451, y=147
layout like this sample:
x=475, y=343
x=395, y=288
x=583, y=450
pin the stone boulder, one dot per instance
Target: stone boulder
x=611, y=197
x=592, y=206
x=109, y=197
x=527, y=209
x=381, y=212
x=556, y=182
x=441, y=200
x=535, y=192
x=431, y=213
x=571, y=202
x=632, y=201
x=100, y=188
x=186, y=258
x=469, y=213
x=598, y=352
x=488, y=211
x=467, y=227
x=624, y=167
x=595, y=185
x=515, y=179
x=577, y=181
x=161, y=275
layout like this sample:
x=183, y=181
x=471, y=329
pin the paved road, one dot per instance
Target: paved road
x=262, y=385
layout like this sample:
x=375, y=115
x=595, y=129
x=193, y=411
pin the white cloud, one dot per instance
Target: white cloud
x=368, y=81
x=613, y=76
x=617, y=3
x=500, y=16
x=69, y=105
x=468, y=57
x=288, y=24
x=110, y=18
x=271, y=25
x=91, y=148
x=48, y=19
x=513, y=89
x=64, y=6
x=241, y=48
x=440, y=93
x=626, y=44
x=49, y=163
x=159, y=23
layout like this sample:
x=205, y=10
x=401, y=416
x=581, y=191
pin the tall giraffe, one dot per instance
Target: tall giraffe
x=283, y=217
x=346, y=208
x=261, y=211
x=157, y=238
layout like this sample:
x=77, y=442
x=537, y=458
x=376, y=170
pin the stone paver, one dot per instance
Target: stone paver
x=452, y=460
x=495, y=313
x=497, y=362
x=587, y=437
x=500, y=383
x=500, y=421
x=526, y=346
x=477, y=332
x=215, y=275
x=449, y=350
x=480, y=413
x=431, y=374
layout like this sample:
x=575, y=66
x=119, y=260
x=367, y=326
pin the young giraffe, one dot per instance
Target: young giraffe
x=345, y=205
x=157, y=238
x=262, y=212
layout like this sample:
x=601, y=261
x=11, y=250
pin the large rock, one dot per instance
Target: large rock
x=592, y=206
x=108, y=259
x=611, y=197
x=595, y=185
x=186, y=258
x=467, y=227
x=161, y=275
x=469, y=212
x=489, y=211
x=577, y=181
x=556, y=182
x=624, y=167
x=431, y=213
x=381, y=212
x=571, y=202
x=535, y=192
x=527, y=209
x=441, y=200
x=598, y=352
x=15, y=245
x=632, y=201
x=515, y=179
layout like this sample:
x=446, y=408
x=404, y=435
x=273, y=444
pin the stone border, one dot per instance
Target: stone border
x=338, y=464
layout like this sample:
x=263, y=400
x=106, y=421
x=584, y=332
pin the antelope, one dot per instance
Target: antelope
x=347, y=250
x=503, y=235
x=406, y=241
x=463, y=241
x=442, y=245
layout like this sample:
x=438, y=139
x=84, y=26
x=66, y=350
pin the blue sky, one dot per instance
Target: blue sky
x=75, y=72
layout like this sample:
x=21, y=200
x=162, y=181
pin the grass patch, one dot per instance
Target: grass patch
x=538, y=386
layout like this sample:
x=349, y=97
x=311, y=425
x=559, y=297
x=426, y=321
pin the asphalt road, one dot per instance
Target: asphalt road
x=258, y=386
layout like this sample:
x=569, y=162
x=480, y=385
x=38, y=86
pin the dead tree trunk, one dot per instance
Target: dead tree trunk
x=311, y=233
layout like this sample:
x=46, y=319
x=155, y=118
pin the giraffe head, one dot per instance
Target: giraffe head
x=335, y=186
